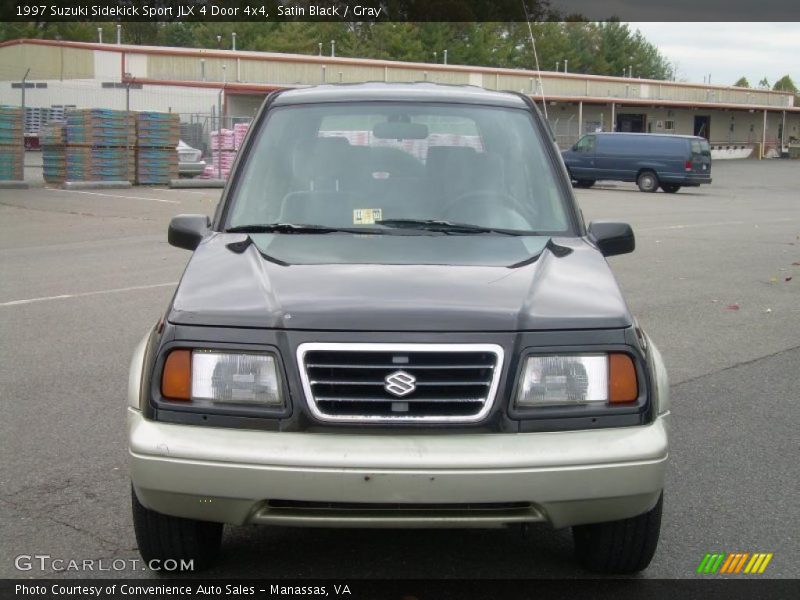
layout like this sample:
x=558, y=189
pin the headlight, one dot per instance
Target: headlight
x=212, y=377
x=577, y=379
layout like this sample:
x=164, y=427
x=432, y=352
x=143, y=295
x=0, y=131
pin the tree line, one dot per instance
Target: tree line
x=784, y=84
x=606, y=48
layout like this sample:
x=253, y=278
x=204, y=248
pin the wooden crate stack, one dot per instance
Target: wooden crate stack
x=100, y=145
x=54, y=158
x=12, y=148
x=157, y=136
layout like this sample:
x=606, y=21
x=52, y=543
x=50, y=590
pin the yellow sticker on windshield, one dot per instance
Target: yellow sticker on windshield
x=366, y=216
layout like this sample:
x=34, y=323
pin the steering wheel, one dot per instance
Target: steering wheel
x=486, y=201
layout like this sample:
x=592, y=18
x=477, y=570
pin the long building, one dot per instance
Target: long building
x=199, y=83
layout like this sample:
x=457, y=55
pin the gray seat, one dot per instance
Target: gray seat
x=323, y=163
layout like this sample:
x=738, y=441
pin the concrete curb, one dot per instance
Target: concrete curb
x=96, y=185
x=196, y=183
x=13, y=184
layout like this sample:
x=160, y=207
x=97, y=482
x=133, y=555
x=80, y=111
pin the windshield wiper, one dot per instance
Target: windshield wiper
x=449, y=227
x=295, y=228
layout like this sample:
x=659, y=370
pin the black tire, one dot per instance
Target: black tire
x=163, y=537
x=670, y=188
x=584, y=183
x=647, y=181
x=620, y=547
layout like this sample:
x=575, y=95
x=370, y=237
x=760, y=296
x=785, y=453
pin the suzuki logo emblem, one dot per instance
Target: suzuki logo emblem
x=400, y=383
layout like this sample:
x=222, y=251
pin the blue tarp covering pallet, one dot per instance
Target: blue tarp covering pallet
x=100, y=145
x=100, y=127
x=157, y=130
x=54, y=158
x=11, y=163
x=157, y=135
x=99, y=164
x=12, y=149
x=54, y=164
x=156, y=165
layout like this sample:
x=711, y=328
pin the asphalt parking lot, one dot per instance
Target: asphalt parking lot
x=715, y=280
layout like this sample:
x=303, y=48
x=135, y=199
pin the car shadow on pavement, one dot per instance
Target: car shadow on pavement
x=272, y=552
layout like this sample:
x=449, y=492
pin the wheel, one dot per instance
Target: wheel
x=584, y=183
x=163, y=537
x=670, y=188
x=647, y=181
x=624, y=546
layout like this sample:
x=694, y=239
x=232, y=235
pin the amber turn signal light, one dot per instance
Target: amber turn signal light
x=176, y=381
x=622, y=383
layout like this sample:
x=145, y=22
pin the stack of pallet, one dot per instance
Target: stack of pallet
x=35, y=118
x=100, y=145
x=223, y=152
x=157, y=136
x=54, y=159
x=239, y=131
x=12, y=153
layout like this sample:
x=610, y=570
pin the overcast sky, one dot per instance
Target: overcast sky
x=728, y=50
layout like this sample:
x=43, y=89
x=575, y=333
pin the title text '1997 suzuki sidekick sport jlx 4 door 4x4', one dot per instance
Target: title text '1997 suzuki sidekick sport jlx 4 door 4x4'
x=397, y=318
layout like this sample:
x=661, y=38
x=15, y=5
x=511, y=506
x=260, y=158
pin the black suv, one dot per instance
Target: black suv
x=397, y=317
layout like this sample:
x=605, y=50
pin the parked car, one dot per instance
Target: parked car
x=190, y=160
x=398, y=318
x=651, y=160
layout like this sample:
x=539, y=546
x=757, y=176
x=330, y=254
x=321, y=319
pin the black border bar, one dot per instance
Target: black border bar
x=398, y=10
x=383, y=589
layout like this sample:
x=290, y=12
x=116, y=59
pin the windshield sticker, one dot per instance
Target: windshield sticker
x=366, y=216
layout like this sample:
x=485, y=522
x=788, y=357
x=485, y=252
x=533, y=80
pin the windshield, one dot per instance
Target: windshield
x=398, y=166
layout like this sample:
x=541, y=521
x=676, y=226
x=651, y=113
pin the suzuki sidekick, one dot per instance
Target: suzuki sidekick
x=398, y=318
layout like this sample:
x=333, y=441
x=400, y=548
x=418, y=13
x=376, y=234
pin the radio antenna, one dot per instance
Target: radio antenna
x=536, y=57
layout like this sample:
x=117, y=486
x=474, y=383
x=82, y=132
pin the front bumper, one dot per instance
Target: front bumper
x=191, y=168
x=245, y=476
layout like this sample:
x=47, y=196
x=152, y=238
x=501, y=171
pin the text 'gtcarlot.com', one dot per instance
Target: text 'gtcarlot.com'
x=45, y=562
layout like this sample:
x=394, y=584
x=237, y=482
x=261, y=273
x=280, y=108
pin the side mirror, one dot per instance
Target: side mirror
x=187, y=231
x=612, y=238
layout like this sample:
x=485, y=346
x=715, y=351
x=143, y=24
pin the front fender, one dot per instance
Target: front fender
x=135, y=372
x=659, y=377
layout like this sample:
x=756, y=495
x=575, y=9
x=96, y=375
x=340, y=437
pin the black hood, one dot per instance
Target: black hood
x=398, y=283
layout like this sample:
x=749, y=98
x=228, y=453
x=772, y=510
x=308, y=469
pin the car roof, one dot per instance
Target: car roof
x=398, y=92
x=664, y=135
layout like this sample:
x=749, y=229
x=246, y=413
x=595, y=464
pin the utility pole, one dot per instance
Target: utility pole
x=24, y=83
x=219, y=134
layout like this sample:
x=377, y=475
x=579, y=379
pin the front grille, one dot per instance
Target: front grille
x=431, y=382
